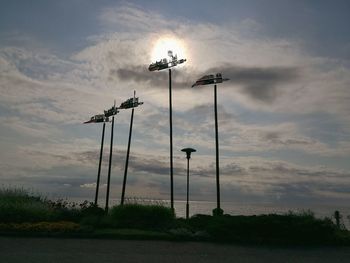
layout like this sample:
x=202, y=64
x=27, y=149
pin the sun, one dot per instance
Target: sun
x=164, y=44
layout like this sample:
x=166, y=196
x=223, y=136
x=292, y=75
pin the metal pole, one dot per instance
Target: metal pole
x=99, y=164
x=127, y=158
x=188, y=183
x=217, y=150
x=109, y=166
x=171, y=145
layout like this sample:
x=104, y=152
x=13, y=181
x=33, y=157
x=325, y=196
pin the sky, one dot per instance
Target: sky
x=284, y=122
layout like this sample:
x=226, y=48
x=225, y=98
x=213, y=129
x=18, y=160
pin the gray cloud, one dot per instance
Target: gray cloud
x=157, y=165
x=280, y=138
x=141, y=74
x=259, y=83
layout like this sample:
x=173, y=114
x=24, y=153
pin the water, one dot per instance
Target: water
x=205, y=207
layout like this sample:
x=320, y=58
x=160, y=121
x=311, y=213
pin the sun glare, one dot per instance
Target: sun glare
x=164, y=44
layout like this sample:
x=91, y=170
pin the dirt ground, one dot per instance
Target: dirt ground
x=37, y=250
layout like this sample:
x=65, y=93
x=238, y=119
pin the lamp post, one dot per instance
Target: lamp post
x=206, y=80
x=130, y=103
x=97, y=119
x=160, y=65
x=188, y=152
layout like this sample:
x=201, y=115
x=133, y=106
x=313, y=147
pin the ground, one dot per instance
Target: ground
x=37, y=250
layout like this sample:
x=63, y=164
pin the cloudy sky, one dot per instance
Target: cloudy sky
x=284, y=116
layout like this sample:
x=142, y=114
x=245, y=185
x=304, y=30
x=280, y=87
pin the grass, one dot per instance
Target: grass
x=25, y=212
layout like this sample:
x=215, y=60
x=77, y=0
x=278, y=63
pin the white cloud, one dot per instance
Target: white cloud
x=92, y=185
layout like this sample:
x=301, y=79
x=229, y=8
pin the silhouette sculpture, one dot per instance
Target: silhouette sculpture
x=206, y=80
x=97, y=119
x=160, y=65
x=130, y=103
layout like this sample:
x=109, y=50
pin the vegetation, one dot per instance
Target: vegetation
x=18, y=205
x=142, y=216
x=290, y=228
x=25, y=212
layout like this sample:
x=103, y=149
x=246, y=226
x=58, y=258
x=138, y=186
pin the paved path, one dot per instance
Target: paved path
x=37, y=250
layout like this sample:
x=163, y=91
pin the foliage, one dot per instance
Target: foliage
x=218, y=212
x=142, y=216
x=23, y=211
x=289, y=228
x=19, y=205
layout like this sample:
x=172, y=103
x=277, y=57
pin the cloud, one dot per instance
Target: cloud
x=263, y=84
x=141, y=74
x=265, y=109
x=130, y=17
x=88, y=185
x=258, y=83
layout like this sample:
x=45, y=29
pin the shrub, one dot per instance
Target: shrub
x=142, y=216
x=289, y=228
x=19, y=205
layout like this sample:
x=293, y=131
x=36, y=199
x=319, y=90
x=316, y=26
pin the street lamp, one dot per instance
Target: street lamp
x=130, y=103
x=188, y=152
x=111, y=112
x=206, y=80
x=97, y=119
x=160, y=65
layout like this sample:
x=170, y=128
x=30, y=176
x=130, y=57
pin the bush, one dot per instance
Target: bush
x=289, y=228
x=142, y=216
x=93, y=216
x=18, y=205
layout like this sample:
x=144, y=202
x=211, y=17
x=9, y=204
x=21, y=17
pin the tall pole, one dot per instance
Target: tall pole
x=127, y=158
x=188, y=187
x=217, y=152
x=109, y=166
x=171, y=145
x=99, y=164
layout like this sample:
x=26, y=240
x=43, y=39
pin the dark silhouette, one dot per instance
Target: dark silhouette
x=159, y=65
x=205, y=80
x=97, y=119
x=130, y=103
x=99, y=164
x=109, y=166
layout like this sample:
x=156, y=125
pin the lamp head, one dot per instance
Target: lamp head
x=188, y=152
